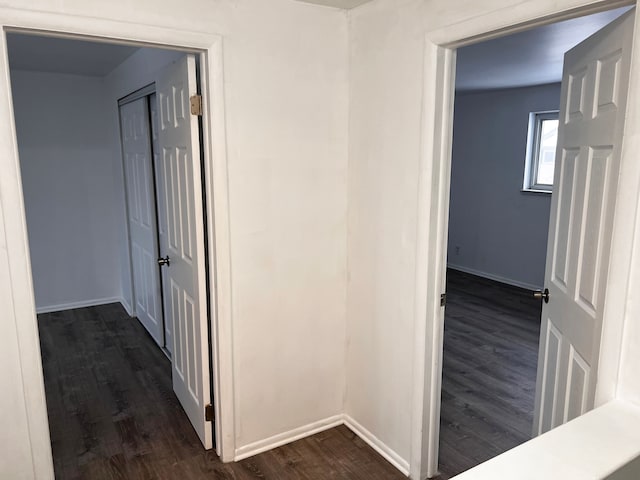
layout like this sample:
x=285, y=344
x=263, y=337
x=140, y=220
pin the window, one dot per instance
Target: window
x=541, y=151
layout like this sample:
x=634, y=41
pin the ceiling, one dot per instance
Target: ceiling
x=346, y=4
x=62, y=55
x=532, y=57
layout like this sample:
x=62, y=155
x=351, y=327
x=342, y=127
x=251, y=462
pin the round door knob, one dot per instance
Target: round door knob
x=542, y=295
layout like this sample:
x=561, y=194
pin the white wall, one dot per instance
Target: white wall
x=68, y=184
x=387, y=55
x=496, y=230
x=387, y=40
x=73, y=180
x=286, y=102
x=287, y=110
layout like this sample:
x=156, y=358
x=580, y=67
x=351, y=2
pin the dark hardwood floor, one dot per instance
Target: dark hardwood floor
x=113, y=414
x=489, y=370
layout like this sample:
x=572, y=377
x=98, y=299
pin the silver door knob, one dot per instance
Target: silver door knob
x=164, y=261
x=542, y=295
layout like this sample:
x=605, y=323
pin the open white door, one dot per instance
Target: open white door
x=141, y=202
x=592, y=113
x=183, y=242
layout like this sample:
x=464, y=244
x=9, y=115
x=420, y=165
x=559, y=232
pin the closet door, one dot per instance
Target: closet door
x=161, y=204
x=141, y=204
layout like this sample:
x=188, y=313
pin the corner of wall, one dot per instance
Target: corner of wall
x=127, y=306
x=345, y=387
x=284, y=438
x=378, y=445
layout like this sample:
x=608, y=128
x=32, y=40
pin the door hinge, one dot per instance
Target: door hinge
x=443, y=299
x=196, y=104
x=208, y=413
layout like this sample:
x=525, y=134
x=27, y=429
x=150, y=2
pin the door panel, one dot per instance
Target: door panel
x=141, y=201
x=549, y=387
x=594, y=90
x=577, y=386
x=183, y=241
x=596, y=197
x=564, y=190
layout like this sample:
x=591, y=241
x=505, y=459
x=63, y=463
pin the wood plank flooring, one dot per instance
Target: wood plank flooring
x=113, y=414
x=489, y=370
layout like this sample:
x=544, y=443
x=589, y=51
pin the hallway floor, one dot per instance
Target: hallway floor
x=113, y=414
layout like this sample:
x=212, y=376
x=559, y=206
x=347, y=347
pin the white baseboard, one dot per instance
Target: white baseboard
x=126, y=306
x=316, y=427
x=287, y=437
x=378, y=445
x=491, y=276
x=84, y=303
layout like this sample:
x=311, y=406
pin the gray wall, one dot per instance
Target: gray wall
x=69, y=189
x=71, y=162
x=496, y=230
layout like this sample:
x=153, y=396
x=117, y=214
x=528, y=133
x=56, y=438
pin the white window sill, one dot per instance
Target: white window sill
x=536, y=192
x=593, y=446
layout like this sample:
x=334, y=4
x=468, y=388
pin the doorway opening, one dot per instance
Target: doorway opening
x=499, y=219
x=88, y=183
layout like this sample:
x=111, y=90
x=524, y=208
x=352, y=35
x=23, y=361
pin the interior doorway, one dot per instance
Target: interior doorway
x=497, y=253
x=65, y=96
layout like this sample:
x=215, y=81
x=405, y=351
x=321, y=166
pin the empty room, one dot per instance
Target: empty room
x=109, y=210
x=505, y=134
x=226, y=235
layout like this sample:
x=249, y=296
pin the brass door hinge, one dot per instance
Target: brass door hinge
x=208, y=413
x=196, y=104
x=443, y=299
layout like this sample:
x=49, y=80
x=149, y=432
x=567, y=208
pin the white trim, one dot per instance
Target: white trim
x=287, y=437
x=141, y=92
x=507, y=20
x=536, y=192
x=431, y=245
x=81, y=304
x=493, y=276
x=219, y=247
x=621, y=302
x=378, y=445
x=18, y=275
x=126, y=306
x=320, y=426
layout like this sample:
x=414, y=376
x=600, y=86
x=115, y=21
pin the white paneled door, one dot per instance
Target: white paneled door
x=594, y=94
x=141, y=202
x=182, y=241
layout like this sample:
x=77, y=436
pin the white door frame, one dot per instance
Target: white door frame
x=21, y=313
x=433, y=209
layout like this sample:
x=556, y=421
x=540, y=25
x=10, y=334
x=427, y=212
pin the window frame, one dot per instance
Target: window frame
x=534, y=133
